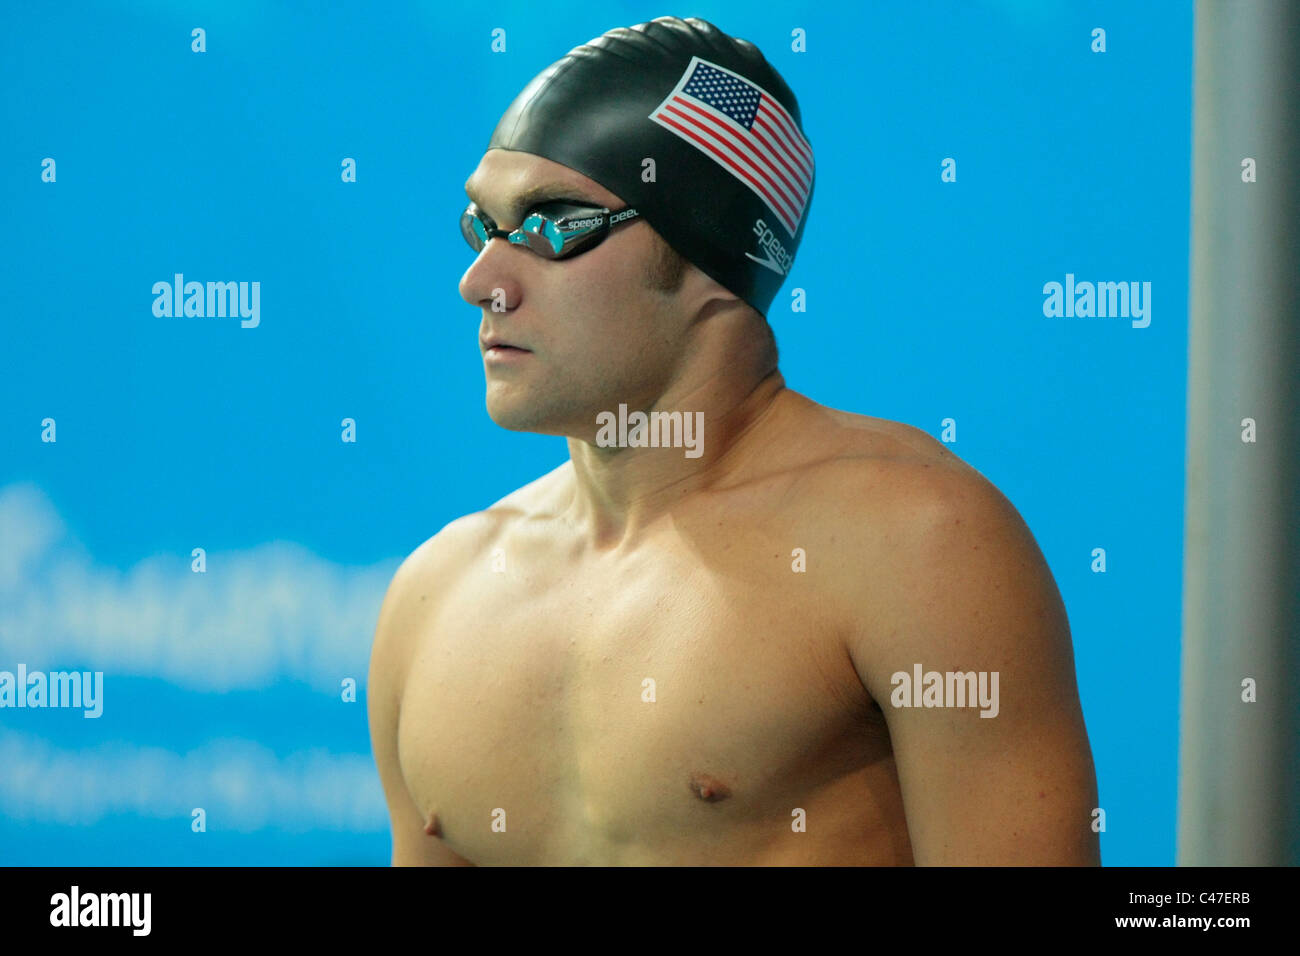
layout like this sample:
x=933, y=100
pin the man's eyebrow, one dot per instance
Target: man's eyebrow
x=534, y=195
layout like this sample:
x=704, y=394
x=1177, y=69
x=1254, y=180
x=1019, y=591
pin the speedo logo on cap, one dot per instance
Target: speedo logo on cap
x=774, y=255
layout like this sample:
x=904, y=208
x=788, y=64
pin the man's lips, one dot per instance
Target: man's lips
x=494, y=343
x=499, y=354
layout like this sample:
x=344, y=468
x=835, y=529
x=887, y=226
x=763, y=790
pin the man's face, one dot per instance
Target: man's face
x=589, y=331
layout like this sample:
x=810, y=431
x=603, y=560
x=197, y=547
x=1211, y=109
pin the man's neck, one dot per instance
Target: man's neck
x=620, y=490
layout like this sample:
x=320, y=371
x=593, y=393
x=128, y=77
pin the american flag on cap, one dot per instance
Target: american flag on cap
x=744, y=130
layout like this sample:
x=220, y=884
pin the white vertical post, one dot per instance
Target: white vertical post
x=1239, y=783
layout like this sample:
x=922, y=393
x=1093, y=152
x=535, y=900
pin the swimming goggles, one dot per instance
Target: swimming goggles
x=553, y=230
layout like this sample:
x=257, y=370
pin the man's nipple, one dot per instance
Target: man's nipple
x=709, y=788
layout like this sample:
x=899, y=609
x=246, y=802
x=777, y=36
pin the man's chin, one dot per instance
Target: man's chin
x=522, y=418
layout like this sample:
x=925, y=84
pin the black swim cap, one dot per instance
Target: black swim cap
x=734, y=171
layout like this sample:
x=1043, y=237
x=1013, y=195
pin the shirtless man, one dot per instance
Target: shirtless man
x=645, y=657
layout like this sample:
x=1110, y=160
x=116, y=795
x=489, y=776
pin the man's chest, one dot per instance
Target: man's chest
x=546, y=714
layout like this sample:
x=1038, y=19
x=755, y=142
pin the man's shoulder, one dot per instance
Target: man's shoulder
x=474, y=535
x=439, y=564
x=928, y=555
x=886, y=493
x=877, y=469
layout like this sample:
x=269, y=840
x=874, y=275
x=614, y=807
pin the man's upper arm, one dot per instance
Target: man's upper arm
x=389, y=658
x=970, y=592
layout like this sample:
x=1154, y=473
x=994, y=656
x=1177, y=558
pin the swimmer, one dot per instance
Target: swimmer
x=654, y=657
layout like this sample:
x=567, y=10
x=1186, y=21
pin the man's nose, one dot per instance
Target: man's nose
x=491, y=281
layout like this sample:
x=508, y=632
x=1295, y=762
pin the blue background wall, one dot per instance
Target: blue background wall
x=925, y=301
